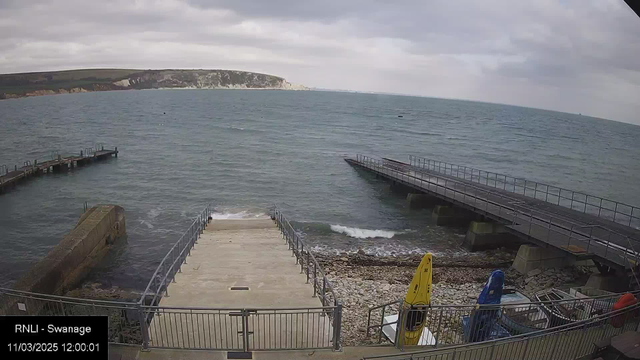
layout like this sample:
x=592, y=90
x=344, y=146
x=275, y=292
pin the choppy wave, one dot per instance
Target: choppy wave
x=148, y=224
x=362, y=233
x=237, y=215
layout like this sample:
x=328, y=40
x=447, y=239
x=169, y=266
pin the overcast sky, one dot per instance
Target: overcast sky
x=568, y=55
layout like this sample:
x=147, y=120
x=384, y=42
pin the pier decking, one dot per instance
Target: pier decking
x=10, y=178
x=585, y=234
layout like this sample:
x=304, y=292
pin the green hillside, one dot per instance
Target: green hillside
x=22, y=83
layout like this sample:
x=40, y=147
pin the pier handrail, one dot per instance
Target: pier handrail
x=306, y=261
x=175, y=257
x=507, y=210
x=614, y=208
x=576, y=230
x=529, y=211
x=11, y=176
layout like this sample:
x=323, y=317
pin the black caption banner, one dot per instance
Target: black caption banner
x=43, y=337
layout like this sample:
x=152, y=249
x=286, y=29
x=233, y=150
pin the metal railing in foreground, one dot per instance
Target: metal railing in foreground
x=594, y=205
x=125, y=319
x=309, y=265
x=460, y=324
x=172, y=262
x=242, y=329
x=567, y=342
x=189, y=328
x=549, y=228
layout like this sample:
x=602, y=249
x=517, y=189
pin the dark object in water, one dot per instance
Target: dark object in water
x=400, y=116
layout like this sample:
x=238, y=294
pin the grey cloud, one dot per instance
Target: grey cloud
x=495, y=50
x=328, y=10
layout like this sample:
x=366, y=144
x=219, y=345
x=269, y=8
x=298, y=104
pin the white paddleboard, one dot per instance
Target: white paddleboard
x=389, y=330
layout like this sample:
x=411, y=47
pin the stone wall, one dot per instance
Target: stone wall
x=69, y=261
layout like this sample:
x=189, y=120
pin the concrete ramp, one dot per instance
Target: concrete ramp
x=239, y=254
x=243, y=279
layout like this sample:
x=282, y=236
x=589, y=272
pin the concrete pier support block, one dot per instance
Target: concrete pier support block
x=613, y=283
x=532, y=257
x=486, y=235
x=451, y=216
x=422, y=201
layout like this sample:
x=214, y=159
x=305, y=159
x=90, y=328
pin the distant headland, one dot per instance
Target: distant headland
x=86, y=80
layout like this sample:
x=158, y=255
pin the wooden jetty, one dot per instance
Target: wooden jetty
x=9, y=178
x=603, y=230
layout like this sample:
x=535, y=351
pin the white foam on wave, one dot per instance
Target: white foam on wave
x=237, y=215
x=362, y=233
x=148, y=224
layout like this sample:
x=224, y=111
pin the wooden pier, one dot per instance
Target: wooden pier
x=607, y=234
x=9, y=178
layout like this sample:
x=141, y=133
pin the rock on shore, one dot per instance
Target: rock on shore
x=362, y=281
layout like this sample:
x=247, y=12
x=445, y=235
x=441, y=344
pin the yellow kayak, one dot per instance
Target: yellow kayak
x=419, y=294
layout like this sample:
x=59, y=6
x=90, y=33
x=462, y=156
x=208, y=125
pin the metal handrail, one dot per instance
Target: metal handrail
x=476, y=175
x=67, y=299
x=165, y=272
x=553, y=302
x=473, y=200
x=235, y=309
x=125, y=318
x=574, y=226
x=297, y=246
x=511, y=201
x=458, y=307
x=584, y=324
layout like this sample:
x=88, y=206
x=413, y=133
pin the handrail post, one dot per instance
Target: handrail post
x=315, y=279
x=399, y=340
x=382, y=325
x=324, y=290
x=337, y=326
x=301, y=258
x=437, y=337
x=308, y=266
x=144, y=328
x=570, y=235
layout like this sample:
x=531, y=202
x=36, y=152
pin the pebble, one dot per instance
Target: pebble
x=364, y=281
x=534, y=272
